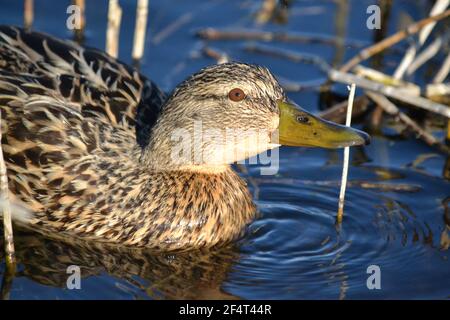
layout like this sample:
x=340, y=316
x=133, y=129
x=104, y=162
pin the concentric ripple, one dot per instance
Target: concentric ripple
x=296, y=251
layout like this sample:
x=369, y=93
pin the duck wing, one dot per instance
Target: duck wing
x=102, y=85
x=67, y=111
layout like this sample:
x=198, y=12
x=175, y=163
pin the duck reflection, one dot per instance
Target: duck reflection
x=175, y=275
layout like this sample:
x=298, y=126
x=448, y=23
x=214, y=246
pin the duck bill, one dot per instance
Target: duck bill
x=300, y=128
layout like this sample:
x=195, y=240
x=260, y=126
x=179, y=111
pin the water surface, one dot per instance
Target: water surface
x=396, y=213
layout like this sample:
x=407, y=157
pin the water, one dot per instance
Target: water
x=395, y=214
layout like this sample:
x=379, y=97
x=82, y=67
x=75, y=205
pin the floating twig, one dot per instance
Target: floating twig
x=220, y=57
x=296, y=57
x=338, y=112
x=172, y=27
x=388, y=80
x=390, y=91
x=375, y=75
x=139, y=31
x=392, y=109
x=287, y=84
x=28, y=14
x=379, y=186
x=437, y=89
x=7, y=280
x=112, y=34
x=439, y=78
x=266, y=12
x=213, y=34
x=348, y=122
x=390, y=41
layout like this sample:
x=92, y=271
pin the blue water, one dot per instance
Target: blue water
x=294, y=251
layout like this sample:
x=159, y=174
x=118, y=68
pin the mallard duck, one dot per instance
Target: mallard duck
x=94, y=150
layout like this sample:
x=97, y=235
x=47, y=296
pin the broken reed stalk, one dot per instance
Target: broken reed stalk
x=337, y=113
x=266, y=12
x=396, y=93
x=443, y=71
x=139, y=31
x=392, y=109
x=439, y=78
x=79, y=29
x=213, y=34
x=6, y=211
x=293, y=56
x=363, y=184
x=348, y=122
x=387, y=80
x=408, y=58
x=390, y=41
x=112, y=34
x=428, y=53
x=28, y=14
x=215, y=54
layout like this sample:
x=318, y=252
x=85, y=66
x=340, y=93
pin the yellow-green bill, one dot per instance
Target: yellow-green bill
x=300, y=128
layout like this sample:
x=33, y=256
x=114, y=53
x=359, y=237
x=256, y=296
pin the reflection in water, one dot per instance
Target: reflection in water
x=181, y=275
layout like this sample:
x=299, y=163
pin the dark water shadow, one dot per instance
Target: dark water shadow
x=180, y=275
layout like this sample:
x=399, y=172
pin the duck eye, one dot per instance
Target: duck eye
x=236, y=95
x=302, y=119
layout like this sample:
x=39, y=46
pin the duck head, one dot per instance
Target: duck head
x=229, y=112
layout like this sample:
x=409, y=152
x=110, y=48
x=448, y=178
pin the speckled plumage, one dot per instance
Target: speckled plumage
x=83, y=144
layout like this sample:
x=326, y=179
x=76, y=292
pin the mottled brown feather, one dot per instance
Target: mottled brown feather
x=75, y=122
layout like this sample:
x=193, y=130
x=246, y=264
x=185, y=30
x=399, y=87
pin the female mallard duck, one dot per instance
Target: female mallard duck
x=94, y=150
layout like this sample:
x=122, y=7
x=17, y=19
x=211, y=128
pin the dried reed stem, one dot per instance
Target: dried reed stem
x=337, y=113
x=437, y=89
x=213, y=34
x=377, y=76
x=6, y=211
x=139, y=31
x=392, y=40
x=266, y=12
x=428, y=53
x=215, y=54
x=443, y=71
x=396, y=93
x=293, y=56
x=79, y=29
x=439, y=78
x=28, y=14
x=348, y=122
x=112, y=34
x=408, y=58
x=392, y=109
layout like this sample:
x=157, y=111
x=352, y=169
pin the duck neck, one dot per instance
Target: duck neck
x=179, y=150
